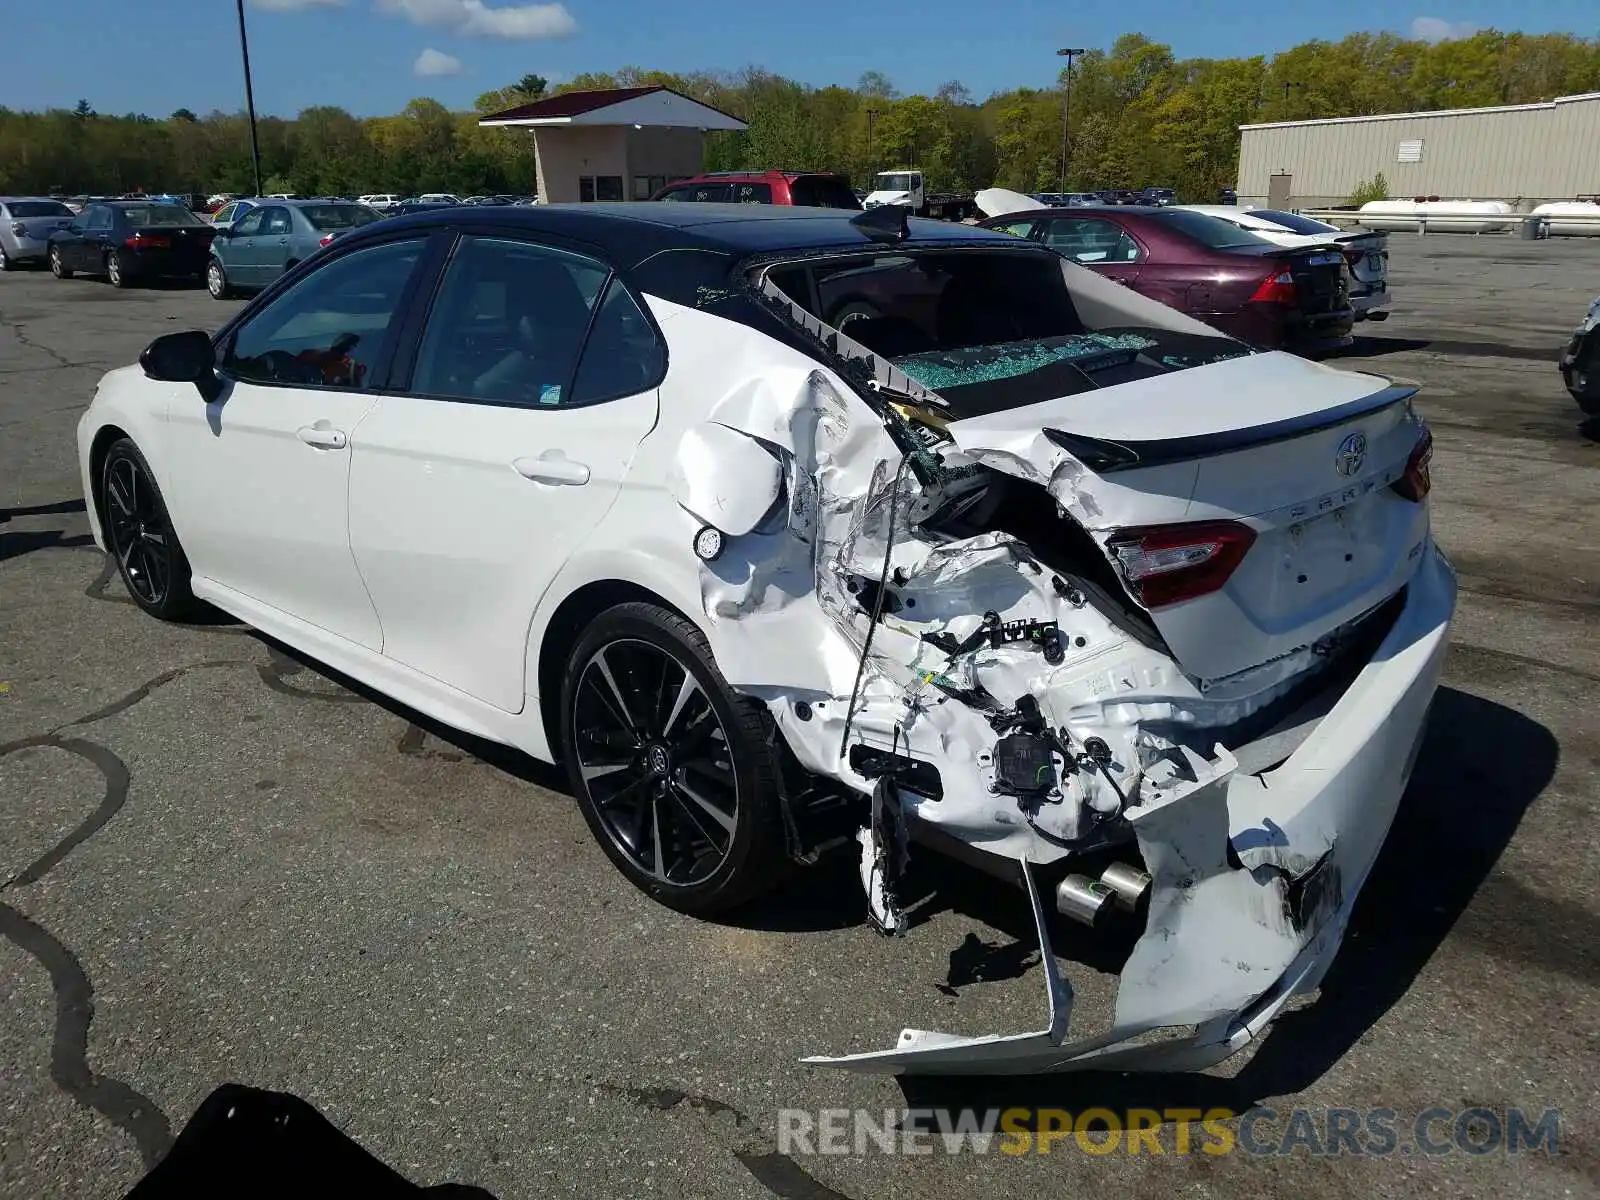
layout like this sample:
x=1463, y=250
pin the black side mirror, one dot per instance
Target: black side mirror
x=186, y=357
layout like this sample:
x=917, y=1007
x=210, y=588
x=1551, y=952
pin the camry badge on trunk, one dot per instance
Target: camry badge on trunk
x=1352, y=453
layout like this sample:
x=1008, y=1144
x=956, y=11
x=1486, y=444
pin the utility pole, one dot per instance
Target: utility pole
x=249, y=100
x=1066, y=110
x=872, y=162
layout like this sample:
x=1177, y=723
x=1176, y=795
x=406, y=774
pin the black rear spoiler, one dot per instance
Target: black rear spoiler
x=1104, y=456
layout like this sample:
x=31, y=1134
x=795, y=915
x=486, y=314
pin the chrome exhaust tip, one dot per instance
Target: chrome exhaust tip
x=1083, y=899
x=1127, y=883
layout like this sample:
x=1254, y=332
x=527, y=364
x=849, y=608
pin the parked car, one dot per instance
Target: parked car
x=439, y=198
x=380, y=201
x=1366, y=252
x=1079, y=587
x=1580, y=362
x=230, y=213
x=1270, y=296
x=271, y=239
x=131, y=241
x=26, y=223
x=807, y=189
x=406, y=207
x=1157, y=196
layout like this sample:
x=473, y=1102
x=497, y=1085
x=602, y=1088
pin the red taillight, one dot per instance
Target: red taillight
x=1417, y=481
x=1167, y=564
x=326, y=238
x=1277, y=288
x=147, y=241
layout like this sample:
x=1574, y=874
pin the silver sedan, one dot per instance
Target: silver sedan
x=25, y=227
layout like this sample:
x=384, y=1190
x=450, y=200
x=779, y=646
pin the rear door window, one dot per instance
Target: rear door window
x=1090, y=241
x=752, y=193
x=699, y=193
x=508, y=324
x=820, y=191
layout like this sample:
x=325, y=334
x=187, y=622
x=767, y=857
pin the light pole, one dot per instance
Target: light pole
x=872, y=116
x=249, y=100
x=1066, y=109
x=1287, y=85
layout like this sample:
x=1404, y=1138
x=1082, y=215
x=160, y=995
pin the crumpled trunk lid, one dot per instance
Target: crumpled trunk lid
x=1302, y=453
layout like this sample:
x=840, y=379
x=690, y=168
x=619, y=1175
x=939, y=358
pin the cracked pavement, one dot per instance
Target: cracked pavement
x=220, y=862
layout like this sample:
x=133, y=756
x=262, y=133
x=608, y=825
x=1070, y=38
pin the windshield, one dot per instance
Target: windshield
x=1209, y=231
x=159, y=214
x=338, y=216
x=1292, y=221
x=896, y=183
x=986, y=329
x=38, y=208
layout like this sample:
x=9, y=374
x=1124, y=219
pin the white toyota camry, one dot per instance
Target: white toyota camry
x=789, y=528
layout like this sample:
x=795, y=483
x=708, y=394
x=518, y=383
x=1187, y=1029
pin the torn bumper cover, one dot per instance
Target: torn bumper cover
x=1254, y=879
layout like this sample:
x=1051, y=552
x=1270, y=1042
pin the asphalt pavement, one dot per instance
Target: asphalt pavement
x=219, y=862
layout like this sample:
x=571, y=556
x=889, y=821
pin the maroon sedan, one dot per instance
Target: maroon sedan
x=1268, y=296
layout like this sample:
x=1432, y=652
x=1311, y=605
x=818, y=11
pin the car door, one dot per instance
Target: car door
x=273, y=244
x=239, y=250
x=88, y=251
x=1102, y=245
x=512, y=440
x=261, y=475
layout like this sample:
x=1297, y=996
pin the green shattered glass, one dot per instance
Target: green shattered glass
x=984, y=364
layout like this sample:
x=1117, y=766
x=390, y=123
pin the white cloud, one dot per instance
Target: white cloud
x=436, y=62
x=1437, y=29
x=295, y=5
x=476, y=19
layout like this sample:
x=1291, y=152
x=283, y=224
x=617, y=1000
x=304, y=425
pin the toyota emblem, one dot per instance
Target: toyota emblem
x=1352, y=453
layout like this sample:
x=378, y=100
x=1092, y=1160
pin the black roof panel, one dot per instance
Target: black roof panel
x=632, y=232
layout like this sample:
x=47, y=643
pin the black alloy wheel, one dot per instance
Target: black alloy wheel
x=139, y=534
x=672, y=768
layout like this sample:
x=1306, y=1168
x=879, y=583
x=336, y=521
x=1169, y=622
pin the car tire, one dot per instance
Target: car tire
x=681, y=785
x=138, y=533
x=57, y=267
x=5, y=260
x=114, y=272
x=217, y=281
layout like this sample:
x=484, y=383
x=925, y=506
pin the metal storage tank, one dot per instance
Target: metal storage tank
x=1518, y=152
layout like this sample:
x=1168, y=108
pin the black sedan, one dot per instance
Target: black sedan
x=132, y=240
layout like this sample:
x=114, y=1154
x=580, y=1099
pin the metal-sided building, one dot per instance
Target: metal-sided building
x=1518, y=152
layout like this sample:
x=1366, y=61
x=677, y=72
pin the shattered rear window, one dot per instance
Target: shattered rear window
x=942, y=369
x=983, y=329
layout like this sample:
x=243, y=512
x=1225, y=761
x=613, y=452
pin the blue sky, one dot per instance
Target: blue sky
x=371, y=56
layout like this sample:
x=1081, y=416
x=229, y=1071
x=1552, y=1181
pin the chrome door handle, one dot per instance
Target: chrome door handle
x=552, y=467
x=322, y=438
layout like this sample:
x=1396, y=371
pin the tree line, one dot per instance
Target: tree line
x=1138, y=116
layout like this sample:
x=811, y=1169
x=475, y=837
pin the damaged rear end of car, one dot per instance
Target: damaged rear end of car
x=1037, y=572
